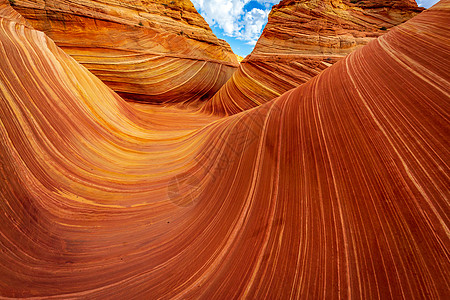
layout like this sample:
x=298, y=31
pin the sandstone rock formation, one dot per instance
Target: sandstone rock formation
x=154, y=51
x=338, y=189
x=301, y=39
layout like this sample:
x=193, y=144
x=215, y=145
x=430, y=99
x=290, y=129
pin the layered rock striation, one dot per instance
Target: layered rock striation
x=337, y=189
x=152, y=51
x=301, y=39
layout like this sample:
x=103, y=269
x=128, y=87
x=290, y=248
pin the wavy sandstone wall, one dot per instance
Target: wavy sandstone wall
x=337, y=189
x=153, y=51
x=301, y=39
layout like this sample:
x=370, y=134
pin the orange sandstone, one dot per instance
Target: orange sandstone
x=337, y=189
x=301, y=39
x=153, y=51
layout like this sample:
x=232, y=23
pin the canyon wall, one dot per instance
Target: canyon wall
x=152, y=51
x=301, y=39
x=337, y=189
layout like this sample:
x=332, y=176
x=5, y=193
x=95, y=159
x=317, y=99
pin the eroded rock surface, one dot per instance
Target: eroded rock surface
x=338, y=189
x=153, y=51
x=301, y=39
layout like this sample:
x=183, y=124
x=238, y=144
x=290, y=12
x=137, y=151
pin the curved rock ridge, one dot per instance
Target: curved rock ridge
x=301, y=39
x=153, y=51
x=7, y=12
x=337, y=189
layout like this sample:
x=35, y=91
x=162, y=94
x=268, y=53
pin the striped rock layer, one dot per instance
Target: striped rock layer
x=337, y=189
x=152, y=51
x=301, y=39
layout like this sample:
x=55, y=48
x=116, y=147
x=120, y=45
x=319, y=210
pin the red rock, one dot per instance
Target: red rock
x=153, y=51
x=337, y=189
x=301, y=39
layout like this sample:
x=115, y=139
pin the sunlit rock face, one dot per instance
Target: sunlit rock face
x=337, y=189
x=153, y=51
x=301, y=39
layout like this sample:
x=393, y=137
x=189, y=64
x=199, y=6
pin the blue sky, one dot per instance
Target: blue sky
x=240, y=22
x=426, y=3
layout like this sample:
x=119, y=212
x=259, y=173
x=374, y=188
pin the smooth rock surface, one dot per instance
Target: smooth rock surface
x=337, y=189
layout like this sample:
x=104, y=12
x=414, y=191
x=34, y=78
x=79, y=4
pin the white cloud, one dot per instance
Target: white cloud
x=233, y=19
x=252, y=24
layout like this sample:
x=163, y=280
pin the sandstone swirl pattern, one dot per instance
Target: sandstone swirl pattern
x=153, y=51
x=336, y=189
x=301, y=39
